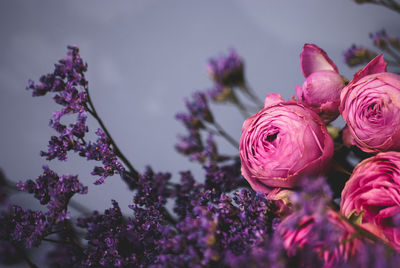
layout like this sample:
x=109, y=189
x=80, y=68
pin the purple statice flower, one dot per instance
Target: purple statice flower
x=101, y=151
x=227, y=70
x=193, y=244
x=191, y=145
x=374, y=255
x=358, y=55
x=23, y=228
x=194, y=147
x=379, y=39
x=105, y=232
x=68, y=72
x=220, y=93
x=70, y=86
x=152, y=189
x=55, y=191
x=269, y=252
x=198, y=107
x=223, y=178
x=214, y=228
x=187, y=194
x=312, y=197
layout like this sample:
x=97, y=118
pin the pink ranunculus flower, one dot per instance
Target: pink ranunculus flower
x=370, y=105
x=281, y=143
x=332, y=238
x=321, y=90
x=374, y=190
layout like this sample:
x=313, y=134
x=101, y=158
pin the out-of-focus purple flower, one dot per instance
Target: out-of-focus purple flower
x=198, y=107
x=281, y=143
x=321, y=90
x=217, y=230
x=24, y=228
x=332, y=238
x=373, y=191
x=379, y=39
x=374, y=255
x=370, y=106
x=105, y=233
x=221, y=93
x=357, y=55
x=55, y=191
x=223, y=178
x=9, y=254
x=227, y=70
x=3, y=190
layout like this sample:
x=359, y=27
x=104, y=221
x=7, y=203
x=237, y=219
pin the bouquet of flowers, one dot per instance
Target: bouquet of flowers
x=299, y=192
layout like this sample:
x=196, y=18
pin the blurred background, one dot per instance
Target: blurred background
x=144, y=58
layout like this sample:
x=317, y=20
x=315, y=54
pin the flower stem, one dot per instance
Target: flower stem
x=93, y=112
x=246, y=89
x=240, y=105
x=224, y=134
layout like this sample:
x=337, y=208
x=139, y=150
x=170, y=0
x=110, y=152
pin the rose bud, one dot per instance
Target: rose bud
x=370, y=105
x=281, y=143
x=373, y=191
x=321, y=90
x=332, y=239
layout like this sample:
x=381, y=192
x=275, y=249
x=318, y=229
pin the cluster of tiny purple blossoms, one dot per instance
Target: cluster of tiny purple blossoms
x=70, y=87
x=219, y=221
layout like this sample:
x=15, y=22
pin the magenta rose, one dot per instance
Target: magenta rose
x=374, y=190
x=321, y=90
x=281, y=143
x=370, y=105
x=337, y=247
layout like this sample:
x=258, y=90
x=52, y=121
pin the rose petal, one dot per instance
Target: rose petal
x=376, y=65
x=313, y=58
x=272, y=99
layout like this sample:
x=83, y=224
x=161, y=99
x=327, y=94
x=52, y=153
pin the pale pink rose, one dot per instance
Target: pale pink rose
x=374, y=190
x=281, y=143
x=370, y=105
x=321, y=90
x=333, y=240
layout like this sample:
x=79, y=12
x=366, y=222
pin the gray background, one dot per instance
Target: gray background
x=144, y=57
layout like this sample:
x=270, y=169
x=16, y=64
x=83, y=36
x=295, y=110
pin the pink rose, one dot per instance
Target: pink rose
x=337, y=244
x=374, y=190
x=321, y=90
x=370, y=105
x=281, y=143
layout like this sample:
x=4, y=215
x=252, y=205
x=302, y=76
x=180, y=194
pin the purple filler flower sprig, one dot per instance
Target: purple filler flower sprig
x=227, y=73
x=70, y=86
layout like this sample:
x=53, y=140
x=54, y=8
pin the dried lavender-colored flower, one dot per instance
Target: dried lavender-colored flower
x=227, y=70
x=379, y=39
x=358, y=55
x=24, y=228
x=55, y=191
x=101, y=151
